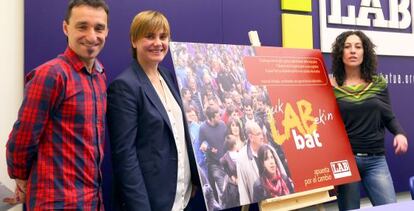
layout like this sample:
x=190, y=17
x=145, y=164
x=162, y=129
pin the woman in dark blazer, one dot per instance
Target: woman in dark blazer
x=152, y=158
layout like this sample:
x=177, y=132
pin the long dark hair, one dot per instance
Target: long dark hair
x=262, y=156
x=369, y=62
x=274, y=185
x=234, y=121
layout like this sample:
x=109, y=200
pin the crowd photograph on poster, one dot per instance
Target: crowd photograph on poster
x=227, y=117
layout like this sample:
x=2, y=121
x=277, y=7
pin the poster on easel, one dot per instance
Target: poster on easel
x=264, y=122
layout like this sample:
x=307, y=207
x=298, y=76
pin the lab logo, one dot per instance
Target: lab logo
x=389, y=23
x=340, y=169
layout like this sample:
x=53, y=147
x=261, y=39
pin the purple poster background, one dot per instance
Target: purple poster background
x=209, y=21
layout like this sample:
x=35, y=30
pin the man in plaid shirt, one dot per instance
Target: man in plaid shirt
x=56, y=145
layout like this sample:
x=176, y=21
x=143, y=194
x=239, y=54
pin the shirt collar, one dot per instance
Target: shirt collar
x=78, y=64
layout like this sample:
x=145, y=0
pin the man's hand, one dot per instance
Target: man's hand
x=19, y=193
x=203, y=147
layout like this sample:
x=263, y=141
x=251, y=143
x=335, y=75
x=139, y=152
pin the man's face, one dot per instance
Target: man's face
x=248, y=111
x=212, y=102
x=206, y=78
x=192, y=116
x=260, y=105
x=228, y=102
x=235, y=115
x=236, y=97
x=256, y=136
x=254, y=92
x=192, y=84
x=216, y=119
x=187, y=95
x=86, y=31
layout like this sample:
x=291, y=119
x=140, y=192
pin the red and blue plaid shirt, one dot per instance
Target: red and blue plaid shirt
x=57, y=141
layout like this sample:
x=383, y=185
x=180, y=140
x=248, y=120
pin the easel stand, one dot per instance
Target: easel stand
x=298, y=200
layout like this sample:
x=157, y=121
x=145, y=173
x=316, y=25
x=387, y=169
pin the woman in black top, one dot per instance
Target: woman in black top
x=363, y=101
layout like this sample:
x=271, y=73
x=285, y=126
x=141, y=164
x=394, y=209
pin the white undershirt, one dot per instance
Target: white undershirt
x=175, y=115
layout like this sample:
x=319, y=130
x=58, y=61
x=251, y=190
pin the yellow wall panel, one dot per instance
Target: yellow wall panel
x=297, y=5
x=297, y=31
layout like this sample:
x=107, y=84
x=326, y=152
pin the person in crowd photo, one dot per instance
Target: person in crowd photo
x=364, y=103
x=208, y=93
x=152, y=156
x=60, y=129
x=211, y=137
x=273, y=181
x=248, y=112
x=196, y=96
x=230, y=197
x=228, y=107
x=247, y=170
x=194, y=127
x=237, y=100
x=234, y=128
x=225, y=80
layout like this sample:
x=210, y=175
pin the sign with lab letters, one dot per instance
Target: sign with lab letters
x=263, y=120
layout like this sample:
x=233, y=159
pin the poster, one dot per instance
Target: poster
x=263, y=121
x=5, y=193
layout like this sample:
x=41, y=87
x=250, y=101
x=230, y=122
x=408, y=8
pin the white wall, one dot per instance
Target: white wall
x=11, y=75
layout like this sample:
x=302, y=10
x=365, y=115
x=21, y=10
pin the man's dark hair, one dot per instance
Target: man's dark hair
x=230, y=109
x=92, y=3
x=229, y=142
x=211, y=112
x=261, y=98
x=184, y=90
x=191, y=108
x=247, y=102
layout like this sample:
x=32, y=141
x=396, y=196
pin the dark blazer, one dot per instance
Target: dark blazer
x=144, y=154
x=259, y=193
x=228, y=164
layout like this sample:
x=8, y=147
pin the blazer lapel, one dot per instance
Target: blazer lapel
x=151, y=93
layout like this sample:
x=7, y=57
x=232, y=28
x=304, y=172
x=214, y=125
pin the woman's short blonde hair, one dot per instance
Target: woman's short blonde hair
x=146, y=22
